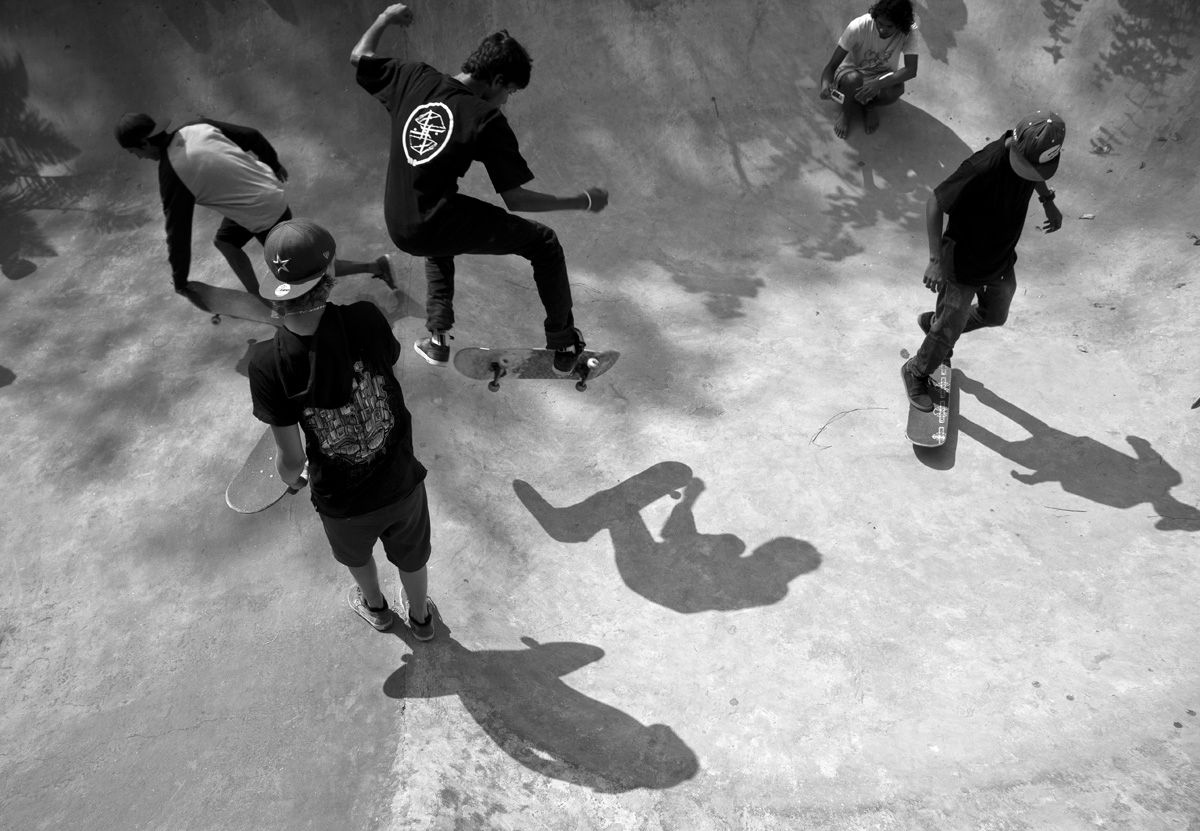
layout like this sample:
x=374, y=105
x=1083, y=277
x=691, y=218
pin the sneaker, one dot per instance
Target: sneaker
x=916, y=386
x=381, y=619
x=925, y=320
x=565, y=357
x=385, y=272
x=422, y=630
x=434, y=349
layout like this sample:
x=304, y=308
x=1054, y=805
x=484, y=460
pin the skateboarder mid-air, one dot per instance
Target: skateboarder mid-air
x=439, y=126
x=232, y=169
x=971, y=261
x=325, y=386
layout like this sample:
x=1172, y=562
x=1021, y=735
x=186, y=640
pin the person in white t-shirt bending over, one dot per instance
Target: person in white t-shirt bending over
x=865, y=72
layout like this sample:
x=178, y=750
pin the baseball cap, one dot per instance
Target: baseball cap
x=1038, y=140
x=134, y=128
x=298, y=252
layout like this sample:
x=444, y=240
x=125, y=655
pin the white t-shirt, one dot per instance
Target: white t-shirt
x=872, y=55
x=226, y=178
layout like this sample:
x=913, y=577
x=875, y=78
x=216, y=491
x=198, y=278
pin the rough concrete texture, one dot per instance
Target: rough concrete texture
x=719, y=590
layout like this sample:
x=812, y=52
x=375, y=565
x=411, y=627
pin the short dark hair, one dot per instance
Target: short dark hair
x=899, y=12
x=500, y=54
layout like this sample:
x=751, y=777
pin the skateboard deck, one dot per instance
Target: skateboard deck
x=483, y=364
x=929, y=429
x=231, y=303
x=257, y=485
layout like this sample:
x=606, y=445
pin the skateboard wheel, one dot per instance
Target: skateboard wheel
x=592, y=363
x=581, y=385
x=216, y=319
x=493, y=386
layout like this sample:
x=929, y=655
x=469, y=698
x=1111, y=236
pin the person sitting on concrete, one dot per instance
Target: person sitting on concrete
x=864, y=72
x=227, y=167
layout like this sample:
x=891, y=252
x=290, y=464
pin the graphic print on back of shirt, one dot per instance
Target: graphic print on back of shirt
x=357, y=432
x=427, y=132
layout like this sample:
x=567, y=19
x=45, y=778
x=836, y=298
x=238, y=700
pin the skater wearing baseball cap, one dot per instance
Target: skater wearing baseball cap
x=325, y=386
x=227, y=167
x=440, y=125
x=971, y=260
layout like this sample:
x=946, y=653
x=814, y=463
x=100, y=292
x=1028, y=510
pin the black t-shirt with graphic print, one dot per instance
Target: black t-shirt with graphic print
x=987, y=203
x=339, y=387
x=439, y=127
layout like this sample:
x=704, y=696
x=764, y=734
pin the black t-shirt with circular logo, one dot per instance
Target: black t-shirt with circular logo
x=439, y=127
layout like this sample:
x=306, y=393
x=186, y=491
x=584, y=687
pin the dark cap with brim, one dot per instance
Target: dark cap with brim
x=298, y=252
x=134, y=128
x=1038, y=140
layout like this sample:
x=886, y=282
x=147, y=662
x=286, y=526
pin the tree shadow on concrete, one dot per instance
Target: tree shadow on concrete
x=688, y=571
x=28, y=144
x=519, y=699
x=192, y=18
x=723, y=292
x=1084, y=466
x=896, y=169
x=940, y=20
x=1152, y=43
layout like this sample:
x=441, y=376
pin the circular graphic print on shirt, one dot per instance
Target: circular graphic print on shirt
x=427, y=132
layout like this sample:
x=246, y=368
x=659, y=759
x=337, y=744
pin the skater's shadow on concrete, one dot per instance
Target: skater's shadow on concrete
x=1084, y=466
x=7, y=376
x=944, y=457
x=688, y=571
x=519, y=699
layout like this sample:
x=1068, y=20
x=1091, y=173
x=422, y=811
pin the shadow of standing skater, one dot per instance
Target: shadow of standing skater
x=1084, y=466
x=519, y=699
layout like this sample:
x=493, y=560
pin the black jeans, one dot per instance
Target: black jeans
x=955, y=315
x=470, y=226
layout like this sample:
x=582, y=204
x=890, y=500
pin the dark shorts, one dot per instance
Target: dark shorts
x=403, y=526
x=238, y=236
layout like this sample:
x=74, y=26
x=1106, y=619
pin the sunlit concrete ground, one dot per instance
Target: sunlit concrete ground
x=719, y=590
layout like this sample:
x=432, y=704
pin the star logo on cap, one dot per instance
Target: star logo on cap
x=280, y=264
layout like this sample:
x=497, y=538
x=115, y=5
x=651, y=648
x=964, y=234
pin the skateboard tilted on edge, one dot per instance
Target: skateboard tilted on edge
x=929, y=429
x=257, y=485
x=220, y=302
x=484, y=364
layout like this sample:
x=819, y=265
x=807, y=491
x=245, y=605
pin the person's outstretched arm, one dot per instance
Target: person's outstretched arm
x=398, y=14
x=523, y=200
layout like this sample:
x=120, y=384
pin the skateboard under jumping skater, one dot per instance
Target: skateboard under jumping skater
x=219, y=302
x=257, y=485
x=484, y=364
x=928, y=429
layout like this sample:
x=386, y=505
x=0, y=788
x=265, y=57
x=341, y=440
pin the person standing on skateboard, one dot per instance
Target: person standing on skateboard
x=440, y=125
x=229, y=168
x=971, y=261
x=865, y=66
x=325, y=386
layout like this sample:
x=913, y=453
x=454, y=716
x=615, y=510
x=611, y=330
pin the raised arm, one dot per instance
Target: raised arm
x=398, y=14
